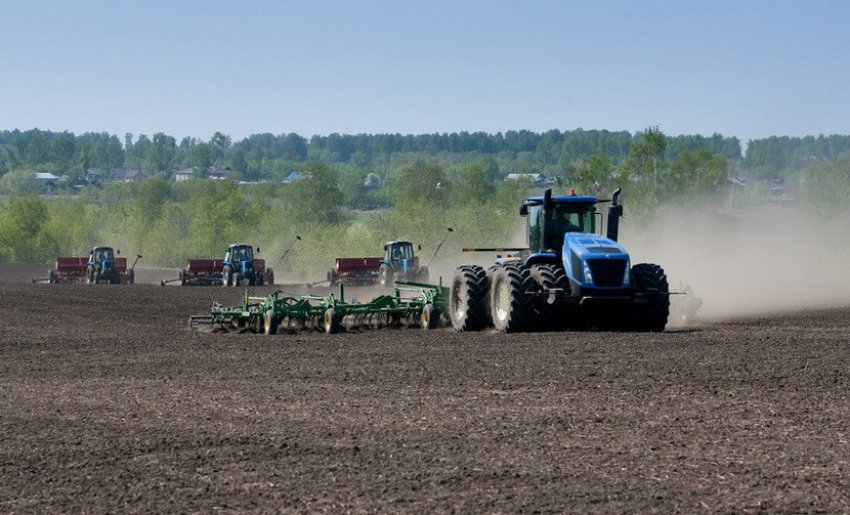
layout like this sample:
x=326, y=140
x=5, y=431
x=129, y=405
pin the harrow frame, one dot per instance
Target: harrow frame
x=412, y=301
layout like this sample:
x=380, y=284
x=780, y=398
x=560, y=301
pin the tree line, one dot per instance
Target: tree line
x=337, y=212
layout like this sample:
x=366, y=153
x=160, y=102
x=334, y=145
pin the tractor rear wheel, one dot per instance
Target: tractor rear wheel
x=50, y=279
x=552, y=307
x=651, y=281
x=331, y=321
x=95, y=277
x=512, y=307
x=430, y=318
x=131, y=276
x=469, y=305
x=268, y=277
x=226, y=276
x=237, y=278
x=270, y=322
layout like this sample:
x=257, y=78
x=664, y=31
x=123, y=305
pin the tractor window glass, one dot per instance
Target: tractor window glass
x=535, y=216
x=573, y=218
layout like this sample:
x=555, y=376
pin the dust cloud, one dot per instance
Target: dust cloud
x=747, y=261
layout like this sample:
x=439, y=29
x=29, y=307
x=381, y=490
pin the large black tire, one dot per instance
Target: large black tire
x=332, y=277
x=512, y=308
x=469, y=299
x=270, y=322
x=237, y=279
x=386, y=276
x=131, y=276
x=50, y=279
x=226, y=276
x=430, y=318
x=331, y=321
x=268, y=277
x=552, y=309
x=95, y=277
x=90, y=275
x=650, y=279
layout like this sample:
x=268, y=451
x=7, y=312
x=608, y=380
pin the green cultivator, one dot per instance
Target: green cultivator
x=412, y=303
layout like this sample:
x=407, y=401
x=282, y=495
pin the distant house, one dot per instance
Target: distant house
x=127, y=175
x=218, y=173
x=292, y=177
x=537, y=179
x=183, y=175
x=47, y=181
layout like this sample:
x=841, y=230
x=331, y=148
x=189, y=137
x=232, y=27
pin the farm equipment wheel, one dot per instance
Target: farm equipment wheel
x=386, y=276
x=237, y=278
x=430, y=318
x=423, y=275
x=270, y=322
x=332, y=277
x=50, y=279
x=331, y=322
x=131, y=276
x=551, y=307
x=226, y=276
x=651, y=280
x=512, y=307
x=469, y=299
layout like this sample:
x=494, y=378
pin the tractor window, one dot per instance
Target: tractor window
x=402, y=251
x=103, y=255
x=241, y=254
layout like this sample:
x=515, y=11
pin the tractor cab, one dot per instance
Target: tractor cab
x=239, y=253
x=562, y=231
x=102, y=256
x=396, y=252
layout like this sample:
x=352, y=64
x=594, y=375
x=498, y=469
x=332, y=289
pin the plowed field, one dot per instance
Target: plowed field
x=108, y=403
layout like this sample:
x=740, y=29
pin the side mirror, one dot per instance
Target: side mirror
x=523, y=210
x=420, y=247
x=385, y=247
x=258, y=250
x=118, y=251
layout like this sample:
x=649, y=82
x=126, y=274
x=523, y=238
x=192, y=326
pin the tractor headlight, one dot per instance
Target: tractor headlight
x=588, y=276
x=627, y=274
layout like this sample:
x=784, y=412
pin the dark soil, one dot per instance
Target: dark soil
x=108, y=403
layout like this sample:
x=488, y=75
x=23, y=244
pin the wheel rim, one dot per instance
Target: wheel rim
x=458, y=305
x=502, y=299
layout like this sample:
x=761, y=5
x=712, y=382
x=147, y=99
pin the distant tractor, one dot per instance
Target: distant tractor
x=238, y=265
x=400, y=264
x=100, y=266
x=568, y=276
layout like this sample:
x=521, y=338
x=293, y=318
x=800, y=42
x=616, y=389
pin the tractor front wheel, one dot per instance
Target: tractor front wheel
x=469, y=299
x=226, y=276
x=386, y=276
x=552, y=307
x=237, y=278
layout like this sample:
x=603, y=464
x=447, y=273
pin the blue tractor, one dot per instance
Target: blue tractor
x=240, y=265
x=400, y=264
x=568, y=276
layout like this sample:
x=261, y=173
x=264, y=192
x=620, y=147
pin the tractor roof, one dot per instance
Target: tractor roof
x=561, y=199
x=397, y=242
x=237, y=245
x=101, y=247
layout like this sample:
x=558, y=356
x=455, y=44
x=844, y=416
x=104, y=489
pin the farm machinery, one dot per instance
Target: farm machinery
x=101, y=265
x=568, y=276
x=239, y=265
x=398, y=264
x=411, y=302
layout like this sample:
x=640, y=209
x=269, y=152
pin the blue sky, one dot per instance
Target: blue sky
x=749, y=69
